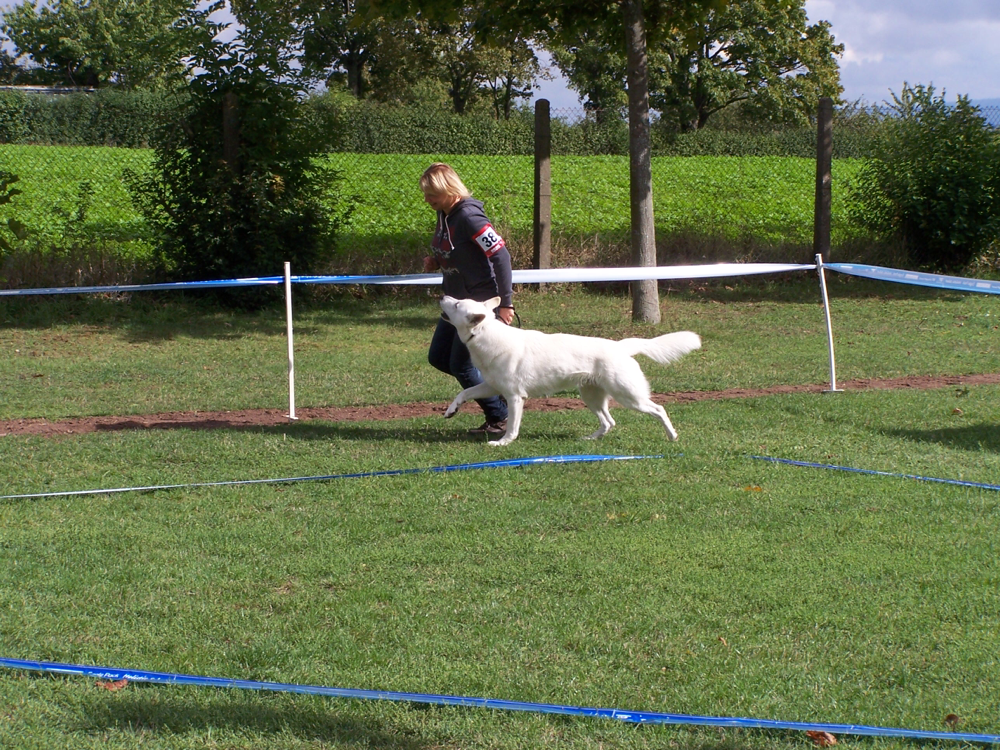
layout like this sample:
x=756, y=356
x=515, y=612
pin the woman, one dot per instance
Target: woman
x=474, y=261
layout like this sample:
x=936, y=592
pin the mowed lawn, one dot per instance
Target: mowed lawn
x=695, y=580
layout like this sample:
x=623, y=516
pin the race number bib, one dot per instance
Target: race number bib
x=488, y=239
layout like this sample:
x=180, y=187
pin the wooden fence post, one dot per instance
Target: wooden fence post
x=542, y=256
x=824, y=159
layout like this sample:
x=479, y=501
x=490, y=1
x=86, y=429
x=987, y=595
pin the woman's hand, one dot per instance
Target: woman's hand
x=506, y=314
x=430, y=264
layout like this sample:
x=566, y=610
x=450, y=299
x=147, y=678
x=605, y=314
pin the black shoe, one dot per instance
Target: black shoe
x=490, y=428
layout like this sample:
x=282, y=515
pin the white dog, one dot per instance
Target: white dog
x=517, y=363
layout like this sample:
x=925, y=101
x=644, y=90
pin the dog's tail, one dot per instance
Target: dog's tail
x=663, y=349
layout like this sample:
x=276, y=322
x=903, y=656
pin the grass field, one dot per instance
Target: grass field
x=701, y=582
x=736, y=206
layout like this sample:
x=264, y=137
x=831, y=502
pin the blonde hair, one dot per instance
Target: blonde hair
x=441, y=179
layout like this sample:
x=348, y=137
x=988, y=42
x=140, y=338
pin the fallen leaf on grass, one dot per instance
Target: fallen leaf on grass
x=753, y=488
x=956, y=411
x=952, y=720
x=822, y=739
x=113, y=685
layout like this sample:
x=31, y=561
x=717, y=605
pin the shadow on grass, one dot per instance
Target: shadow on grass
x=456, y=432
x=144, y=713
x=147, y=712
x=452, y=433
x=365, y=433
x=977, y=438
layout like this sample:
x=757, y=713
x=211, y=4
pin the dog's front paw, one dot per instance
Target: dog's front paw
x=501, y=442
x=451, y=410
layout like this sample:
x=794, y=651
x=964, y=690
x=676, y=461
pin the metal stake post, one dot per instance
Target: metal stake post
x=291, y=350
x=829, y=326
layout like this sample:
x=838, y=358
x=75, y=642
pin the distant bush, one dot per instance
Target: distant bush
x=106, y=117
x=235, y=188
x=933, y=181
x=372, y=128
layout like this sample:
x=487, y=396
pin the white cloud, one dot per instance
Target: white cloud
x=948, y=44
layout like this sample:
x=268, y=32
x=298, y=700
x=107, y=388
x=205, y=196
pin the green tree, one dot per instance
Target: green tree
x=335, y=45
x=510, y=72
x=236, y=188
x=761, y=54
x=10, y=71
x=349, y=42
x=126, y=43
x=500, y=67
x=345, y=44
x=934, y=181
x=595, y=67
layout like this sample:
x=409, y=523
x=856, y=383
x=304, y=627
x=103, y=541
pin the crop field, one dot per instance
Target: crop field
x=697, y=580
x=76, y=195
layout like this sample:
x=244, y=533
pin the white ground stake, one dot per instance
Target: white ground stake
x=291, y=349
x=829, y=327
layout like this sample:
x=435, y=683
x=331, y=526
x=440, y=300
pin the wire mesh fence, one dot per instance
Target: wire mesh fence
x=745, y=194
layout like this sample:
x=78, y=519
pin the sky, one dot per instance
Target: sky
x=950, y=44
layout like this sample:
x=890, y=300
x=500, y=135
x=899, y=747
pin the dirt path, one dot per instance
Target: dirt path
x=206, y=420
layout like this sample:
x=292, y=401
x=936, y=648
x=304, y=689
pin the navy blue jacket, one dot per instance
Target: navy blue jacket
x=472, y=255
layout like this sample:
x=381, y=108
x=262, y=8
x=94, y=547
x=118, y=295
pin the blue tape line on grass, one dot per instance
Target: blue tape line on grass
x=810, y=465
x=508, y=463
x=634, y=717
x=954, y=283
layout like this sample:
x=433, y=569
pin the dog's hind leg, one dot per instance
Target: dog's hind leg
x=483, y=390
x=630, y=389
x=651, y=407
x=515, y=410
x=646, y=405
x=596, y=399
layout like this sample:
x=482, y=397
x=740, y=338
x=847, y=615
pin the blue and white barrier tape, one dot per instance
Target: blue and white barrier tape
x=577, y=275
x=171, y=286
x=557, y=276
x=544, y=276
x=937, y=281
x=504, y=464
x=634, y=717
x=810, y=465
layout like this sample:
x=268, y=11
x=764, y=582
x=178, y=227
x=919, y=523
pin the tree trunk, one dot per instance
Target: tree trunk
x=353, y=67
x=645, y=296
x=231, y=132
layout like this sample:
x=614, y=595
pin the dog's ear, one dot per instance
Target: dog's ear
x=494, y=303
x=476, y=319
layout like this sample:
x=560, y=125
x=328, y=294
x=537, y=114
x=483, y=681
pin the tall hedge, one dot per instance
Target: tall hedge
x=106, y=117
x=129, y=118
x=369, y=127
